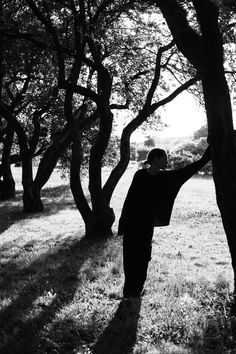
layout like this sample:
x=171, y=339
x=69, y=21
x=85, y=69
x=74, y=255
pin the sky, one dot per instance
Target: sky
x=183, y=117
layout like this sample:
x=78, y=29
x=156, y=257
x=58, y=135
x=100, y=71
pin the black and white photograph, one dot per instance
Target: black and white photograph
x=117, y=176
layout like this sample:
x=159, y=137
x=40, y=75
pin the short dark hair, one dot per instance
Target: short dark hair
x=154, y=152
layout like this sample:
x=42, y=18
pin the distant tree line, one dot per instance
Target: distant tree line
x=191, y=151
x=181, y=154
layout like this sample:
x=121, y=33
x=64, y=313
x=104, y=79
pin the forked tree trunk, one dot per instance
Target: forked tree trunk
x=100, y=217
x=32, y=188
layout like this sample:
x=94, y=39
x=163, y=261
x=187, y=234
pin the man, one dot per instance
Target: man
x=148, y=204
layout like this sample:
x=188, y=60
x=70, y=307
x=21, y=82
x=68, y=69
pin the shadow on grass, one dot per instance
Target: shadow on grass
x=120, y=335
x=54, y=200
x=33, y=295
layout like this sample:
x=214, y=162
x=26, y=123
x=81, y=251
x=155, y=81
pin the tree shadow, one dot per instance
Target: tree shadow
x=53, y=198
x=120, y=335
x=10, y=212
x=32, y=295
x=219, y=335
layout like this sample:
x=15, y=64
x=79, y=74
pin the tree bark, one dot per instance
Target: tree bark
x=75, y=180
x=103, y=215
x=220, y=123
x=50, y=157
x=7, y=187
x=31, y=194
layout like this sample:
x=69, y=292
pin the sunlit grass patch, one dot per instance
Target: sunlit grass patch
x=61, y=293
x=182, y=313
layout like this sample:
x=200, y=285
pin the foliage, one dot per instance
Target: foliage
x=133, y=152
x=201, y=133
x=28, y=84
x=178, y=160
x=110, y=157
x=142, y=154
x=149, y=142
x=191, y=151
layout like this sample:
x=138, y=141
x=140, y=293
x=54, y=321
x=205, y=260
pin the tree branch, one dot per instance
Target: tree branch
x=174, y=94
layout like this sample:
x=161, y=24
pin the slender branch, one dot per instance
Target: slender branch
x=36, y=134
x=83, y=91
x=156, y=78
x=174, y=94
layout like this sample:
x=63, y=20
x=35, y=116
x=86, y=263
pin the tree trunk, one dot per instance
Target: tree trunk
x=50, y=158
x=75, y=180
x=220, y=122
x=103, y=216
x=7, y=187
x=31, y=195
x=221, y=138
x=100, y=224
x=32, y=188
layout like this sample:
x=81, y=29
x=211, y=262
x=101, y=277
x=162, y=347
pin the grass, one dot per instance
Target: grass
x=60, y=293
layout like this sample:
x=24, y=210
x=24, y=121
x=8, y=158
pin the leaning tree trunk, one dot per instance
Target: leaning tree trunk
x=75, y=180
x=7, y=188
x=103, y=215
x=48, y=162
x=32, y=188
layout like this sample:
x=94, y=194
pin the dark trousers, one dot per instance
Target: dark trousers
x=136, y=256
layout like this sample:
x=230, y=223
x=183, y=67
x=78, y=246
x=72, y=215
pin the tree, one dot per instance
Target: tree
x=162, y=54
x=30, y=105
x=106, y=56
x=149, y=142
x=201, y=132
x=133, y=152
x=85, y=57
x=25, y=106
x=204, y=49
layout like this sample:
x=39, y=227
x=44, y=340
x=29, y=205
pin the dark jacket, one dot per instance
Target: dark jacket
x=150, y=199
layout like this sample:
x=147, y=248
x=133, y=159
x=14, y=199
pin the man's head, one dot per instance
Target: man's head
x=157, y=157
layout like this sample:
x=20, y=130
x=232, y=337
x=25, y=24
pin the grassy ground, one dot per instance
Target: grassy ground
x=60, y=293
